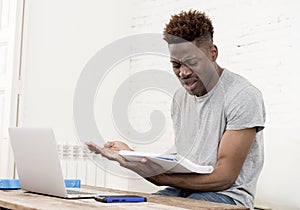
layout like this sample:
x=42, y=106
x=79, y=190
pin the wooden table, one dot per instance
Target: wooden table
x=21, y=200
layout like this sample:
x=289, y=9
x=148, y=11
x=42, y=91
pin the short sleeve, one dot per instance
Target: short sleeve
x=246, y=110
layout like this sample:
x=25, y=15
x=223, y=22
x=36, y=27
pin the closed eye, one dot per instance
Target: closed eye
x=192, y=62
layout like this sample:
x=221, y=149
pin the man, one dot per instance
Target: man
x=218, y=118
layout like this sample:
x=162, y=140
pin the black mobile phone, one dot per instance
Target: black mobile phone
x=120, y=198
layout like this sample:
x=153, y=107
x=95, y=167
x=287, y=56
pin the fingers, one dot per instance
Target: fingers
x=109, y=144
x=112, y=145
x=115, y=145
x=93, y=147
x=109, y=154
x=106, y=152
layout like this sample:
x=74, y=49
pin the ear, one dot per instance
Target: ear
x=214, y=53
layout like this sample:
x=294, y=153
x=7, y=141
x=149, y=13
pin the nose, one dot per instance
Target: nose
x=184, y=71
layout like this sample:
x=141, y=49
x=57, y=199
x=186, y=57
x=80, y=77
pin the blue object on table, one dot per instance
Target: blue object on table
x=14, y=184
x=72, y=183
x=9, y=184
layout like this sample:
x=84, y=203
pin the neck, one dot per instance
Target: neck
x=215, y=77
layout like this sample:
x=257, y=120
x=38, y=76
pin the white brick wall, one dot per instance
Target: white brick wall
x=259, y=40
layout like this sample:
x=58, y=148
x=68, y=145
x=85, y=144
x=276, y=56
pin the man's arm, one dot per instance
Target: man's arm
x=233, y=149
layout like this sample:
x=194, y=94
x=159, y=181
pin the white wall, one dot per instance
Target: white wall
x=59, y=39
x=256, y=38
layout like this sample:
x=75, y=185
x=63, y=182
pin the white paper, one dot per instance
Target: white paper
x=171, y=163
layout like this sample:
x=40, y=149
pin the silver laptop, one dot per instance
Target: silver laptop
x=38, y=164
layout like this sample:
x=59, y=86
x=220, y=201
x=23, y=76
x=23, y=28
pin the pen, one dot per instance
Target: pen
x=166, y=158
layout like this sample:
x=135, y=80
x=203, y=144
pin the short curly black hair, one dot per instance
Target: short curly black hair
x=190, y=26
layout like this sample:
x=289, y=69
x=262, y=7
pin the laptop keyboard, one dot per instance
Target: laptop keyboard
x=76, y=192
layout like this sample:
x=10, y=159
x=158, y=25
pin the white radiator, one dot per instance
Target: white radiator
x=77, y=165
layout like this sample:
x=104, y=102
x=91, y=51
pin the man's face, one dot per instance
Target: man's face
x=193, y=66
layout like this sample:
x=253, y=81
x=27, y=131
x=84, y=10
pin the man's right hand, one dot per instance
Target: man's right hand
x=117, y=146
x=144, y=168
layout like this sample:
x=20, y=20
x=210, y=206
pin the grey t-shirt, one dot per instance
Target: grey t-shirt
x=200, y=122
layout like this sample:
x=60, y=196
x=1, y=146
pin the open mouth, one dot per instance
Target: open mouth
x=190, y=85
